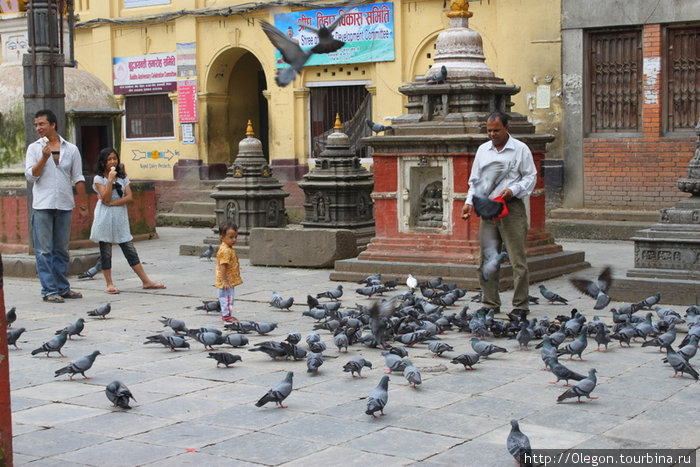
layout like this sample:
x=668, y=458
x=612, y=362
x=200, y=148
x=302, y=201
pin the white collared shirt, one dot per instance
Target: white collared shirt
x=521, y=175
x=53, y=188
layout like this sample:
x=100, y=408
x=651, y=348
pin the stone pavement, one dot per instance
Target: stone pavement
x=189, y=412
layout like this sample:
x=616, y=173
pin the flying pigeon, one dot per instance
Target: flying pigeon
x=466, y=359
x=377, y=127
x=484, y=349
x=438, y=78
x=518, y=444
x=551, y=296
x=102, y=311
x=176, y=325
x=81, y=365
x=91, y=272
x=489, y=177
x=355, y=365
x=278, y=393
x=412, y=374
x=598, y=289
x=208, y=253
x=378, y=398
x=11, y=316
x=53, y=345
x=379, y=314
x=582, y=388
x=291, y=54
x=13, y=335
x=224, y=358
x=74, y=329
x=326, y=42
x=119, y=394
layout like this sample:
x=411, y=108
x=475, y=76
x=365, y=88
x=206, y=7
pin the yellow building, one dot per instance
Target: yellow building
x=216, y=54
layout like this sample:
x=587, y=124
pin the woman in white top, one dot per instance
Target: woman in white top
x=111, y=221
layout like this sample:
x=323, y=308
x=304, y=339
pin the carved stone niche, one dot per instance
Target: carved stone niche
x=425, y=189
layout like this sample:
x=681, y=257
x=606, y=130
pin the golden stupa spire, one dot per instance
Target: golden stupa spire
x=459, y=9
x=338, y=126
x=249, y=129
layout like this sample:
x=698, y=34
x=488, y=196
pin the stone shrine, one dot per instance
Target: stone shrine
x=667, y=255
x=338, y=190
x=250, y=195
x=421, y=172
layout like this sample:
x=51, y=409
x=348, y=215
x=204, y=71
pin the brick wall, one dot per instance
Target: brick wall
x=639, y=172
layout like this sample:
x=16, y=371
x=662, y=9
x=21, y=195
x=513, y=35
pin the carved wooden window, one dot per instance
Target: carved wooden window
x=682, y=83
x=613, y=84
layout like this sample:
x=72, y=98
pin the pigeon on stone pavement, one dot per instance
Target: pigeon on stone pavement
x=679, y=364
x=208, y=253
x=333, y=294
x=484, y=349
x=412, y=374
x=552, y=297
x=313, y=362
x=312, y=302
x=648, y=302
x=101, y=312
x=209, y=305
x=172, y=341
x=74, y=329
x=518, y=445
x=81, y=365
x=207, y=339
x=355, y=365
x=284, y=304
x=689, y=350
x=13, y=335
x=263, y=328
x=91, y=272
x=279, y=392
x=662, y=340
x=411, y=283
x=53, y=345
x=378, y=398
x=601, y=337
x=525, y=335
x=271, y=348
x=438, y=348
x=177, y=325
x=562, y=372
x=236, y=340
x=466, y=359
x=293, y=351
x=393, y=361
x=576, y=347
x=341, y=341
x=224, y=358
x=548, y=352
x=118, y=394
x=598, y=289
x=11, y=316
x=293, y=337
x=582, y=388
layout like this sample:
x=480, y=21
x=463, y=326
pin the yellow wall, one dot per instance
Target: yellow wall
x=521, y=42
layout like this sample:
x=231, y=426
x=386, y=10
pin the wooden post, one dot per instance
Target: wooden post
x=5, y=405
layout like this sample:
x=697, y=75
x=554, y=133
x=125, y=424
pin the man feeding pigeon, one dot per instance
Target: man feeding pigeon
x=502, y=175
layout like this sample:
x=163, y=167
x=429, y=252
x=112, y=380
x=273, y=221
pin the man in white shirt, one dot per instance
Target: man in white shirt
x=53, y=165
x=517, y=182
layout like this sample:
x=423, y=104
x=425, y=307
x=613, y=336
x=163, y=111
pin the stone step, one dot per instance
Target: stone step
x=194, y=207
x=171, y=219
x=620, y=215
x=595, y=229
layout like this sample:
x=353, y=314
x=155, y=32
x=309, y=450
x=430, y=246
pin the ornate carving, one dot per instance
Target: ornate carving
x=272, y=213
x=680, y=216
x=423, y=161
x=321, y=205
x=431, y=206
x=232, y=212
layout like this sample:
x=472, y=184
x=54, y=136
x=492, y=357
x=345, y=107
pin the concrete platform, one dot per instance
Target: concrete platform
x=310, y=248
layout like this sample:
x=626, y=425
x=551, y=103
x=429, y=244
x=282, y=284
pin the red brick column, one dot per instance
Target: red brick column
x=651, y=86
x=5, y=405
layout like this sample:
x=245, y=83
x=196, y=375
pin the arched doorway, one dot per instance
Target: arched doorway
x=234, y=95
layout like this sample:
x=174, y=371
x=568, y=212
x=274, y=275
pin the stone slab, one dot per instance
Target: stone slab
x=24, y=265
x=674, y=292
x=312, y=248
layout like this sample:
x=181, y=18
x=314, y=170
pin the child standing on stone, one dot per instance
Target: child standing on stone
x=228, y=269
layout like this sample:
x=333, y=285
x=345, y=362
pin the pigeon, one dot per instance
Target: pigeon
x=548, y=352
x=11, y=316
x=484, y=349
x=102, y=311
x=562, y=372
x=314, y=362
x=278, y=393
x=412, y=374
x=292, y=54
x=13, y=335
x=207, y=339
x=293, y=350
x=597, y=290
x=263, y=328
x=576, y=347
x=341, y=341
x=411, y=283
x=556, y=338
x=176, y=325
x=582, y=388
x=518, y=445
x=91, y=272
x=284, y=304
x=379, y=314
x=647, y=302
x=74, y=329
x=492, y=261
x=525, y=335
x=224, y=358
x=208, y=253
x=489, y=177
x=317, y=314
x=393, y=362
x=601, y=337
x=355, y=365
x=679, y=364
x=168, y=340
x=664, y=339
x=626, y=334
x=391, y=283
x=118, y=394
x=688, y=351
x=378, y=398
x=437, y=348
x=53, y=345
x=326, y=42
x=210, y=305
x=317, y=346
x=276, y=298
x=438, y=78
x=400, y=351
x=377, y=127
x=370, y=290
x=334, y=294
x=81, y=365
x=236, y=340
x=551, y=296
x=293, y=337
x=273, y=349
x=466, y=359
x=312, y=302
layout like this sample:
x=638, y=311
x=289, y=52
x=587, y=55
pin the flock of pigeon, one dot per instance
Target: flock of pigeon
x=397, y=323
